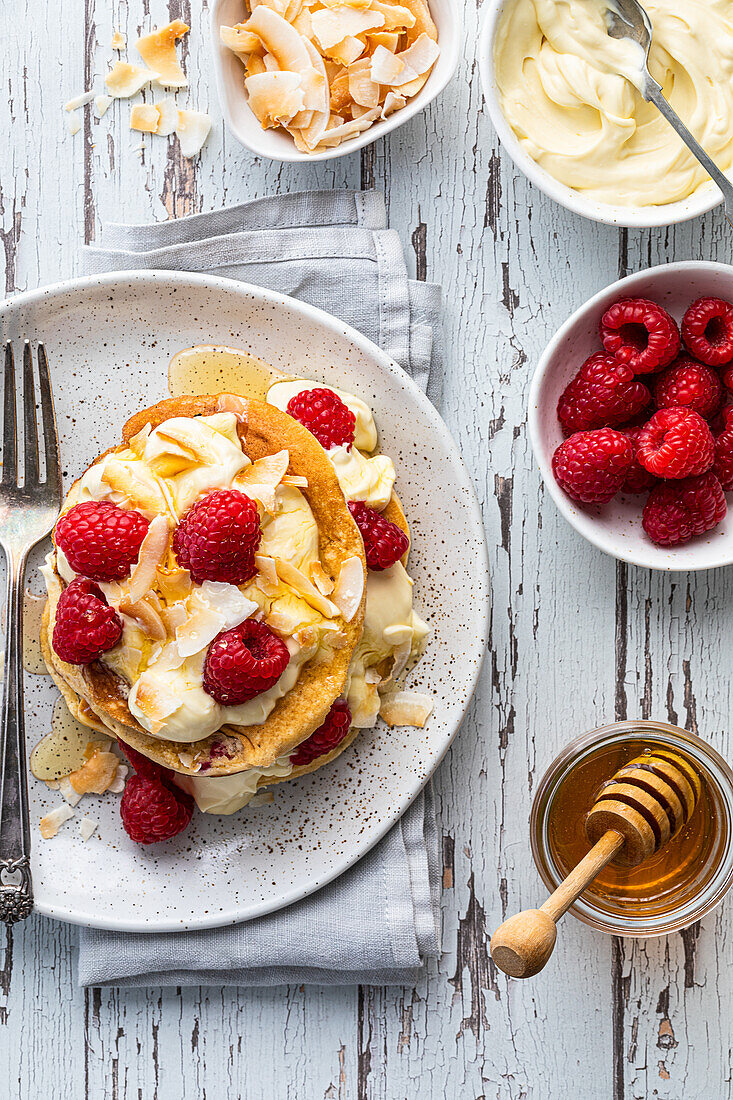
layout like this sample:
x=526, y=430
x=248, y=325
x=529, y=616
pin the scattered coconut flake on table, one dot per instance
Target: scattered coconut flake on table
x=145, y=117
x=87, y=826
x=329, y=74
x=73, y=123
x=102, y=104
x=192, y=129
x=125, y=80
x=52, y=822
x=168, y=120
x=118, y=41
x=79, y=101
x=158, y=51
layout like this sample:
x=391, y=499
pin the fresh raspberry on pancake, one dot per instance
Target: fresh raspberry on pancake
x=676, y=443
x=326, y=737
x=603, y=394
x=86, y=626
x=152, y=810
x=384, y=542
x=707, y=329
x=100, y=540
x=640, y=333
x=218, y=537
x=325, y=416
x=243, y=662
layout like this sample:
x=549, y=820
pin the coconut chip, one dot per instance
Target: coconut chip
x=145, y=118
x=118, y=41
x=406, y=708
x=87, y=826
x=52, y=822
x=153, y=550
x=117, y=785
x=158, y=51
x=102, y=104
x=125, y=80
x=79, y=101
x=320, y=578
x=95, y=776
x=347, y=594
x=300, y=583
x=70, y=794
x=167, y=116
x=267, y=568
x=260, y=480
x=192, y=129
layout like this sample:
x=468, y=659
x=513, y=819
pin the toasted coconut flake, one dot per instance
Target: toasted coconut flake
x=347, y=594
x=255, y=66
x=79, y=101
x=153, y=550
x=266, y=566
x=193, y=129
x=337, y=134
x=298, y=581
x=70, y=794
x=312, y=129
x=419, y=57
x=260, y=480
x=118, y=41
x=174, y=584
x=231, y=402
x=168, y=116
x=73, y=123
x=95, y=776
x=389, y=39
x=396, y=17
x=362, y=88
x=87, y=826
x=413, y=87
x=125, y=80
x=145, y=117
x=320, y=578
x=240, y=41
x=117, y=785
x=288, y=48
x=386, y=68
x=52, y=822
x=102, y=104
x=148, y=617
x=332, y=25
x=296, y=481
x=158, y=51
x=347, y=50
x=406, y=708
x=393, y=102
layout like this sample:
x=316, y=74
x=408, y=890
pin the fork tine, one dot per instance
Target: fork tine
x=10, y=462
x=30, y=432
x=50, y=433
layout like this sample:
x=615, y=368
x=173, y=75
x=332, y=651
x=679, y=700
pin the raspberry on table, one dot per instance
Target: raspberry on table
x=677, y=511
x=384, y=542
x=152, y=810
x=591, y=466
x=218, y=537
x=639, y=332
x=326, y=737
x=676, y=443
x=243, y=662
x=638, y=480
x=690, y=385
x=101, y=540
x=707, y=329
x=723, y=464
x=325, y=416
x=86, y=626
x=603, y=394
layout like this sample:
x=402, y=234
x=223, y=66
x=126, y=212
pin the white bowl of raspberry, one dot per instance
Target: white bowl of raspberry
x=631, y=417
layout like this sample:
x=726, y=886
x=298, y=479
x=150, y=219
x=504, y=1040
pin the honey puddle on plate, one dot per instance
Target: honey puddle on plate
x=213, y=368
x=62, y=750
x=32, y=613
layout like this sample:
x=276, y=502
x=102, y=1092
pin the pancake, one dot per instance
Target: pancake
x=95, y=692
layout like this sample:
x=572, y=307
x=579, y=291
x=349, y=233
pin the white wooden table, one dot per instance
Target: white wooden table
x=576, y=639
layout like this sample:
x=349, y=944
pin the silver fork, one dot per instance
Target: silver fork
x=28, y=511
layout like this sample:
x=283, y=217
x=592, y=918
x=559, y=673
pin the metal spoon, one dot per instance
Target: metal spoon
x=627, y=19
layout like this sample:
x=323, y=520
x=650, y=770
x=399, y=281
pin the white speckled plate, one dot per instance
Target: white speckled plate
x=109, y=340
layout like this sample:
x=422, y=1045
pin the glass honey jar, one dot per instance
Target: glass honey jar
x=678, y=884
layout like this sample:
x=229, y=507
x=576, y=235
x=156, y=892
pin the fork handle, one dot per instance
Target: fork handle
x=16, y=887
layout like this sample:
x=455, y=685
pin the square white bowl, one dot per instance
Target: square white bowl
x=277, y=144
x=616, y=527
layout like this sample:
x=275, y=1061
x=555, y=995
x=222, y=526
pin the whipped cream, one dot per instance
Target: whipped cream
x=569, y=92
x=226, y=794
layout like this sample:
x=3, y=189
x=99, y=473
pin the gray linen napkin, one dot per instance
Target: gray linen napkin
x=331, y=249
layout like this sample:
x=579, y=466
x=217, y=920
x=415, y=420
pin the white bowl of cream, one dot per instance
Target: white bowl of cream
x=581, y=132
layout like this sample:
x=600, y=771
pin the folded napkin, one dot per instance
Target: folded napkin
x=333, y=250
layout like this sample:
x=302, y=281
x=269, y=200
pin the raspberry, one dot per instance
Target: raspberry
x=707, y=329
x=638, y=480
x=603, y=393
x=142, y=764
x=244, y=662
x=151, y=810
x=640, y=333
x=384, y=541
x=326, y=737
x=690, y=385
x=723, y=465
x=218, y=537
x=591, y=466
x=325, y=416
x=100, y=540
x=676, y=443
x=677, y=511
x=86, y=626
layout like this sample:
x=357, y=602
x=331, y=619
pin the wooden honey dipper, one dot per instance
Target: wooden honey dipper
x=635, y=814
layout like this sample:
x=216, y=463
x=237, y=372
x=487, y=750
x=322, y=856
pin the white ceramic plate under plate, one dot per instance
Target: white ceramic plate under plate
x=109, y=340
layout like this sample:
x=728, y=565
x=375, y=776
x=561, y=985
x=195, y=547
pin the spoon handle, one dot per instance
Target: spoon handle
x=653, y=92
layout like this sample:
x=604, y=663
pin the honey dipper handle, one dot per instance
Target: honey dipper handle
x=524, y=942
